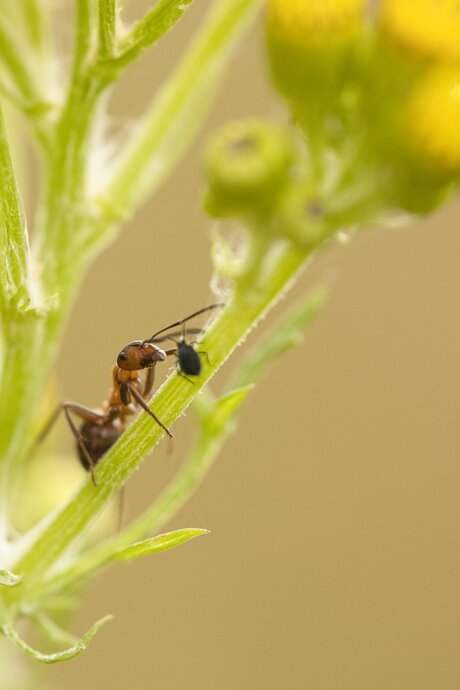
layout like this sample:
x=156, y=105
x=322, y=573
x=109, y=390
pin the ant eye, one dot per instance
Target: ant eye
x=145, y=346
x=123, y=356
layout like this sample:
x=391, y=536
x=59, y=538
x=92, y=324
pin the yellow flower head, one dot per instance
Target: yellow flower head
x=302, y=22
x=431, y=119
x=429, y=28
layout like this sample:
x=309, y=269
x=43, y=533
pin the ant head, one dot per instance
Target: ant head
x=140, y=354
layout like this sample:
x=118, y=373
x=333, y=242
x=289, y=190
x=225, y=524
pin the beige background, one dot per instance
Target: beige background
x=333, y=562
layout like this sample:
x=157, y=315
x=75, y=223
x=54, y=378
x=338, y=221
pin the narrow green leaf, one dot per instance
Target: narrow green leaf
x=9, y=579
x=154, y=24
x=14, y=247
x=110, y=551
x=162, y=542
x=225, y=408
x=56, y=657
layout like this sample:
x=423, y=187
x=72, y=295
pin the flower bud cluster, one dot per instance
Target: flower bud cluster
x=376, y=103
x=255, y=175
x=378, y=95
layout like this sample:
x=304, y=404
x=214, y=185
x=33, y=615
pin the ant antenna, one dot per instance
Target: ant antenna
x=184, y=320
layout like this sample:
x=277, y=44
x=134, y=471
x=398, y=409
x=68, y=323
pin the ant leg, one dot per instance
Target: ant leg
x=140, y=400
x=47, y=428
x=184, y=376
x=44, y=431
x=148, y=383
x=87, y=415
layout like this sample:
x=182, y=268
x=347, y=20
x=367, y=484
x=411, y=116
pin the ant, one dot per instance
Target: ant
x=100, y=429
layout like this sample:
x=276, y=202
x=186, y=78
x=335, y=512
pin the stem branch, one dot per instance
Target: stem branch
x=168, y=125
x=236, y=320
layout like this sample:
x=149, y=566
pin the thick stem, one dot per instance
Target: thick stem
x=67, y=234
x=33, y=338
x=236, y=320
x=107, y=27
x=65, y=238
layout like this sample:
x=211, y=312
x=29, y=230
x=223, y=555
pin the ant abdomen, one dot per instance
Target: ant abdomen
x=97, y=439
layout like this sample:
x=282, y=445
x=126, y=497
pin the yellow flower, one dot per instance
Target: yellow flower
x=302, y=22
x=429, y=28
x=431, y=119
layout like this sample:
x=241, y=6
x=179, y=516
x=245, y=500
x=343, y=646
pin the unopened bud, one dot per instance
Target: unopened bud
x=247, y=164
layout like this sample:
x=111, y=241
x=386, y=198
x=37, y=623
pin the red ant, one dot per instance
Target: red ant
x=101, y=428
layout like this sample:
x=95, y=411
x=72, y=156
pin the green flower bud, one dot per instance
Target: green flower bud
x=301, y=217
x=247, y=164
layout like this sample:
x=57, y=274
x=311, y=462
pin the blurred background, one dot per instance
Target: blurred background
x=333, y=559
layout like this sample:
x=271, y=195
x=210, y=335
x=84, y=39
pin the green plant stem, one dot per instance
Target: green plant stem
x=175, y=495
x=107, y=27
x=172, y=498
x=170, y=122
x=67, y=236
x=236, y=320
x=217, y=422
x=32, y=337
x=19, y=319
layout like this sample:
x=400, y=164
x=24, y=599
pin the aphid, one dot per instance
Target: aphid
x=188, y=359
x=100, y=428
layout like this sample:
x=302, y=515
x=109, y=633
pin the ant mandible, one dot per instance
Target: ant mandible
x=101, y=428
